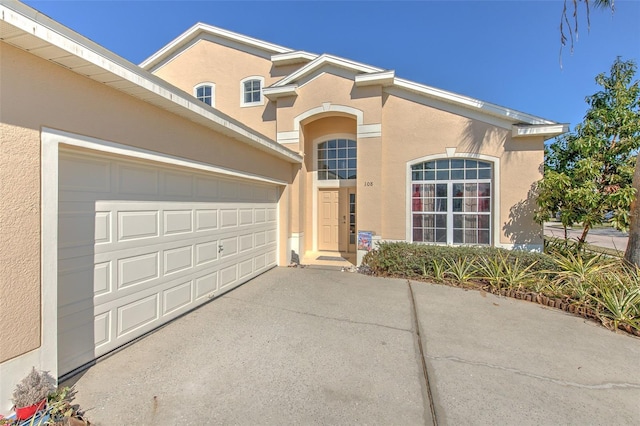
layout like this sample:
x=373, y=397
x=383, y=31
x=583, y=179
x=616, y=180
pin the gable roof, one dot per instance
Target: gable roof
x=323, y=61
x=204, y=31
x=30, y=30
x=364, y=75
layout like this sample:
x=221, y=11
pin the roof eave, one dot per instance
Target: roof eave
x=545, y=130
x=27, y=29
x=275, y=93
x=292, y=58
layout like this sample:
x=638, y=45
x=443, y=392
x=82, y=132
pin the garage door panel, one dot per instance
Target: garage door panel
x=206, y=285
x=138, y=180
x=206, y=220
x=79, y=173
x=178, y=259
x=271, y=258
x=246, y=217
x=178, y=184
x=246, y=268
x=80, y=281
x=138, y=269
x=206, y=188
x=228, y=218
x=79, y=228
x=246, y=242
x=229, y=246
x=103, y=227
x=141, y=244
x=260, y=261
x=177, y=297
x=177, y=222
x=260, y=215
x=135, y=315
x=272, y=236
x=206, y=252
x=272, y=215
x=102, y=329
x=228, y=275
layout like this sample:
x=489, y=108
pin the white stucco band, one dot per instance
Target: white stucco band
x=329, y=107
x=369, y=131
x=373, y=130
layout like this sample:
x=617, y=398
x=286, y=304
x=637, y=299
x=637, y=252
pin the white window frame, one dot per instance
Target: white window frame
x=244, y=104
x=213, y=92
x=323, y=184
x=495, y=188
x=316, y=156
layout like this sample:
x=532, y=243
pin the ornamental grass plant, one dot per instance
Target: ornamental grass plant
x=592, y=285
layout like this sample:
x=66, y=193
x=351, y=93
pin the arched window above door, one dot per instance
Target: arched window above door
x=337, y=159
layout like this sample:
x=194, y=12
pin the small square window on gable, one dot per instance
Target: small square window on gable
x=205, y=92
x=251, y=91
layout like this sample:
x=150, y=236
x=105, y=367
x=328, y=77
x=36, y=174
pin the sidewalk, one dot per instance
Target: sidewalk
x=601, y=237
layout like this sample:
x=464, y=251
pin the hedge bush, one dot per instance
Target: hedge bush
x=409, y=260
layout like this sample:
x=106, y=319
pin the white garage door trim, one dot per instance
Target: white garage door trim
x=51, y=140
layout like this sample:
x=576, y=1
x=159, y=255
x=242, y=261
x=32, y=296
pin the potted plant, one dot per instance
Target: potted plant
x=30, y=395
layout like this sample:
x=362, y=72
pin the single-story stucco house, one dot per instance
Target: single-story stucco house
x=132, y=194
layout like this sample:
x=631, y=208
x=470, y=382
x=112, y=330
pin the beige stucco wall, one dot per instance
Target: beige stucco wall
x=411, y=131
x=332, y=89
x=36, y=94
x=20, y=314
x=226, y=67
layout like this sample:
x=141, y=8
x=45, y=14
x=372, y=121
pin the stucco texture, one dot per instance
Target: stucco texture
x=226, y=67
x=412, y=131
x=36, y=94
x=20, y=313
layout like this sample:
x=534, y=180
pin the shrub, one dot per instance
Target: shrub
x=408, y=260
x=587, y=284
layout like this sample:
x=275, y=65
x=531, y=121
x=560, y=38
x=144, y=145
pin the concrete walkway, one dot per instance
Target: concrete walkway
x=315, y=346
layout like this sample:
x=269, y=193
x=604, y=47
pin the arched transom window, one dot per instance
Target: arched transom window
x=451, y=201
x=337, y=159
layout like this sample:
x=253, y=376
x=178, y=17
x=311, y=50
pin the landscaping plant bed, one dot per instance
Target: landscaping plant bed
x=595, y=287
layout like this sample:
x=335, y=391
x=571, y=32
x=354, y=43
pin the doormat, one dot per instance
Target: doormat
x=332, y=258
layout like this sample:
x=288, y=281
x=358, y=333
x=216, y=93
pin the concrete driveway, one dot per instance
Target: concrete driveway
x=313, y=346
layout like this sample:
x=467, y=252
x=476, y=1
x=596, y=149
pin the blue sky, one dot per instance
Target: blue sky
x=504, y=52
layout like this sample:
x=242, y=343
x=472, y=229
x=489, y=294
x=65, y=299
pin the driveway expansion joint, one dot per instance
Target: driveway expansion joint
x=320, y=316
x=422, y=355
x=599, y=386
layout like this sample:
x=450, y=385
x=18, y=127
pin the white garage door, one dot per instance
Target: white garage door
x=139, y=244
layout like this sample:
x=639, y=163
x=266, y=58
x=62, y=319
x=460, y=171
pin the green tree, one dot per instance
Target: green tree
x=589, y=172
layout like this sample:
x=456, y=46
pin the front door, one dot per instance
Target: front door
x=328, y=214
x=337, y=220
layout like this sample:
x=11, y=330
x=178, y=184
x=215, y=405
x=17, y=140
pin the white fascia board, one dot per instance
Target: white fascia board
x=200, y=28
x=290, y=58
x=385, y=78
x=546, y=130
x=324, y=60
x=467, y=102
x=136, y=82
x=273, y=93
